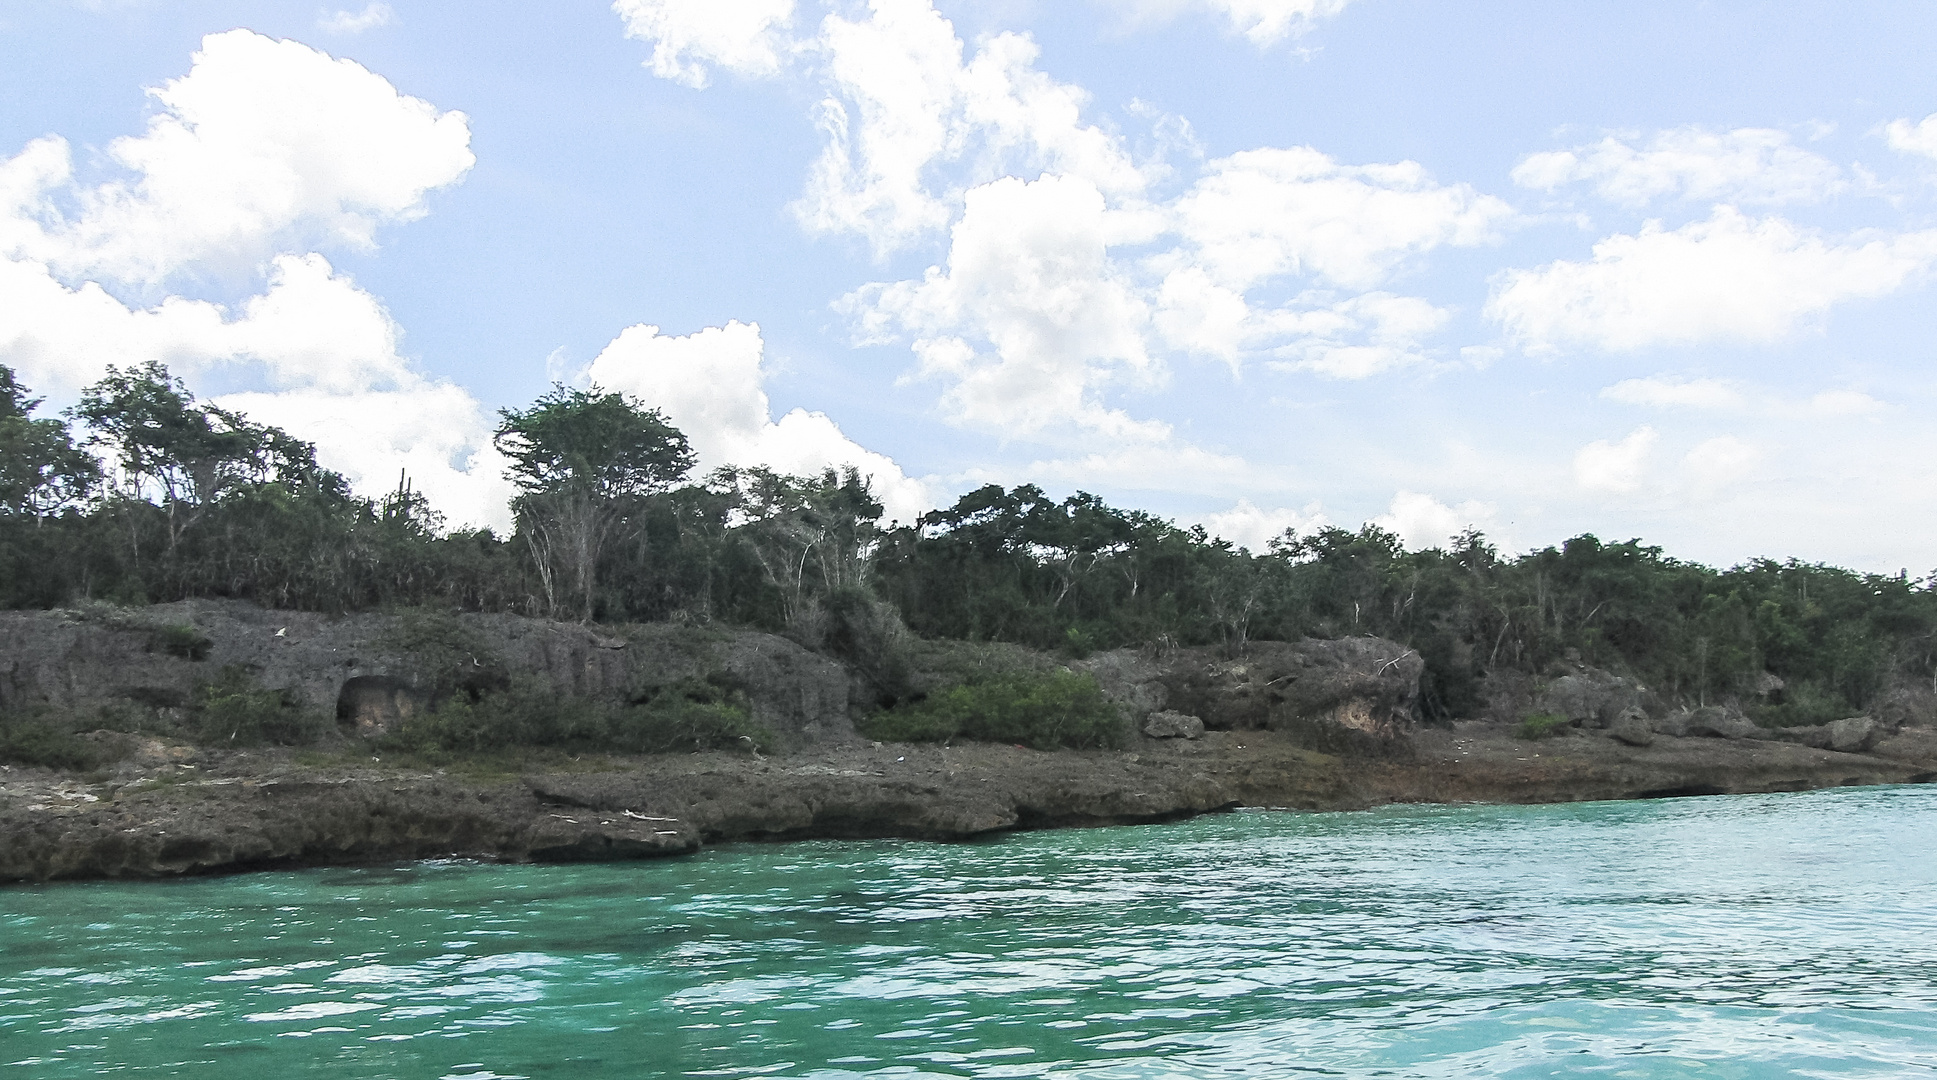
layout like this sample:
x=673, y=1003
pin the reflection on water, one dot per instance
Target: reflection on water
x=1748, y=936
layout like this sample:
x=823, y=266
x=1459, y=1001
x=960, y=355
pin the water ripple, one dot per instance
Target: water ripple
x=1784, y=935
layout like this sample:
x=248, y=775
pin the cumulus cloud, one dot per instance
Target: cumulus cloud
x=1254, y=527
x=912, y=116
x=1262, y=214
x=371, y=17
x=746, y=37
x=1422, y=521
x=1729, y=278
x=1033, y=316
x=264, y=146
x=1616, y=467
x=1028, y=275
x=1919, y=137
x=262, y=149
x=1359, y=337
x=1744, y=166
x=903, y=100
x=310, y=327
x=1264, y=22
x=435, y=432
x=710, y=385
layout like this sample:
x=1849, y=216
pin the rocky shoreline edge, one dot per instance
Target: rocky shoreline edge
x=1312, y=726
x=262, y=811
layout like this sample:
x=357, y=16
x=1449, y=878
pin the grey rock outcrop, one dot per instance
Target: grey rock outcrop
x=1715, y=721
x=1349, y=695
x=1590, y=697
x=368, y=671
x=1853, y=734
x=1631, y=727
x=1165, y=724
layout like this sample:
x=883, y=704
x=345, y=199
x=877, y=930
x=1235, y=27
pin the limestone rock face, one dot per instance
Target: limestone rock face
x=1853, y=735
x=1349, y=695
x=1165, y=724
x=1631, y=727
x=1715, y=721
x=365, y=670
x=1590, y=697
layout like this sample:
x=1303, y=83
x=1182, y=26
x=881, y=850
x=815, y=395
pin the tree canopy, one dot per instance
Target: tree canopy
x=609, y=526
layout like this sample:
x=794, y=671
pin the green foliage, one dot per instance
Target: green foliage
x=443, y=656
x=31, y=739
x=41, y=470
x=232, y=710
x=689, y=715
x=212, y=505
x=1046, y=711
x=1801, y=704
x=581, y=459
x=180, y=639
x=1542, y=725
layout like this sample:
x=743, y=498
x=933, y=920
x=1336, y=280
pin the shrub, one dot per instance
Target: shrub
x=233, y=710
x=692, y=714
x=1045, y=711
x=443, y=655
x=1542, y=725
x=180, y=639
x=1802, y=704
x=36, y=740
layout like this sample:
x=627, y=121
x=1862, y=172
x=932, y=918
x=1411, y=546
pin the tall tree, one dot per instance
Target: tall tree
x=186, y=455
x=41, y=470
x=581, y=459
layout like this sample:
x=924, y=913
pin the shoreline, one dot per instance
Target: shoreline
x=174, y=810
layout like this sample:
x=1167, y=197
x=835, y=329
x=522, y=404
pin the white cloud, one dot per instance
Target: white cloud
x=746, y=37
x=1913, y=138
x=1264, y=22
x=1744, y=166
x=1718, y=395
x=1254, y=527
x=1615, y=466
x=1718, y=462
x=371, y=17
x=1029, y=277
x=1266, y=213
x=1729, y=278
x=902, y=102
x=263, y=146
x=1422, y=521
x=1844, y=403
x=1661, y=391
x=310, y=327
x=1360, y=337
x=710, y=386
x=911, y=117
x=436, y=433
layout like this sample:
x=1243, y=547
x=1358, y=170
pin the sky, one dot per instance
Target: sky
x=1655, y=269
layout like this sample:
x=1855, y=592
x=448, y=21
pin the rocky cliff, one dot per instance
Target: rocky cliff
x=1307, y=725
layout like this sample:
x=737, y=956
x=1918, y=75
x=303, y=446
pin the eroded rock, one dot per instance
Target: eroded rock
x=1166, y=724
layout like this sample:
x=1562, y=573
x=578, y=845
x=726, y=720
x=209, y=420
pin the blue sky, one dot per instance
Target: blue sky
x=1652, y=269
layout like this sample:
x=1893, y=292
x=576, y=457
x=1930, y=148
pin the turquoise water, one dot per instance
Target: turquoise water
x=1750, y=936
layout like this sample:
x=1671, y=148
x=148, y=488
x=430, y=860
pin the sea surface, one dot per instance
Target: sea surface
x=1741, y=936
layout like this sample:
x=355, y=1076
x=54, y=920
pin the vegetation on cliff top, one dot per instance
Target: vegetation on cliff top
x=186, y=499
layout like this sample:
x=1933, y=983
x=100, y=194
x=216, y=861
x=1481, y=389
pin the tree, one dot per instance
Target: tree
x=580, y=458
x=813, y=537
x=41, y=470
x=188, y=456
